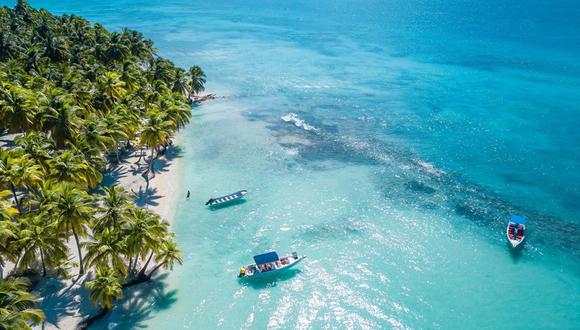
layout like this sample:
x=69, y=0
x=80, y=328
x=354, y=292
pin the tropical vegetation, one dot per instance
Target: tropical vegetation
x=77, y=97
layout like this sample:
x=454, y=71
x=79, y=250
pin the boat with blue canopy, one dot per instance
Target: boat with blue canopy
x=516, y=230
x=218, y=201
x=268, y=264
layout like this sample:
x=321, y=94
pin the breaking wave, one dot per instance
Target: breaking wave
x=298, y=122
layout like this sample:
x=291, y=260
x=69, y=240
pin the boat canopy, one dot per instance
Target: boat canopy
x=518, y=219
x=266, y=258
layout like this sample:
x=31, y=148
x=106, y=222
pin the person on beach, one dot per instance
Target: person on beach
x=188, y=194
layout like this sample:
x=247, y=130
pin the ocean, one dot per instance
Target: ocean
x=389, y=141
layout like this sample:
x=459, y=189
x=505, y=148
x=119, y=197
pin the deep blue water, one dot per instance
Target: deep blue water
x=389, y=141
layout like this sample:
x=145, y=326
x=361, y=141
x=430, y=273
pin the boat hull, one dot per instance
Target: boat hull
x=273, y=272
x=227, y=200
x=514, y=242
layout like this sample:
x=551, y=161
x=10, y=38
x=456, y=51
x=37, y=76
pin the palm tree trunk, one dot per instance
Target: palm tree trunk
x=43, y=264
x=15, y=197
x=81, y=269
x=16, y=264
x=140, y=156
x=135, y=262
x=151, y=162
x=142, y=272
x=86, y=323
x=154, y=270
x=129, y=266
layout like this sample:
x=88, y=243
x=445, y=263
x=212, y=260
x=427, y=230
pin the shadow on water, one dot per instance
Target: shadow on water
x=174, y=152
x=270, y=281
x=139, y=304
x=227, y=205
x=516, y=253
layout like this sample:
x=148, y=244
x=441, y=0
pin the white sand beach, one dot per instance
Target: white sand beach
x=66, y=302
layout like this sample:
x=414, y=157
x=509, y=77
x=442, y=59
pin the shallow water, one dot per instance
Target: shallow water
x=387, y=140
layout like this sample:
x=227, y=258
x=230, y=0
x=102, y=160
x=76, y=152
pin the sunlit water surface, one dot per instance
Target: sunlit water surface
x=387, y=140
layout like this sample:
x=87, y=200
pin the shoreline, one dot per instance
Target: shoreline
x=66, y=302
x=161, y=197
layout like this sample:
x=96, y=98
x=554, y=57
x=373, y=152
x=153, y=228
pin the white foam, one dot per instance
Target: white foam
x=298, y=122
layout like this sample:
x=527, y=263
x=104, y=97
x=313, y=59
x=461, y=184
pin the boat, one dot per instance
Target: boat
x=516, y=229
x=226, y=199
x=268, y=264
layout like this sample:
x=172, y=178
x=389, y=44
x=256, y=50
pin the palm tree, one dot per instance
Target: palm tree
x=106, y=251
x=140, y=47
x=111, y=87
x=178, y=114
x=116, y=210
x=17, y=305
x=130, y=75
x=162, y=70
x=105, y=289
x=167, y=256
x=17, y=108
x=38, y=146
x=71, y=166
x=59, y=116
x=9, y=47
x=181, y=84
x=197, y=79
x=18, y=171
x=7, y=231
x=117, y=50
x=39, y=238
x=143, y=234
x=57, y=49
x=156, y=131
x=94, y=131
x=43, y=199
x=73, y=211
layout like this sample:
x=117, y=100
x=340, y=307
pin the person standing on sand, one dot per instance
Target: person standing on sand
x=188, y=194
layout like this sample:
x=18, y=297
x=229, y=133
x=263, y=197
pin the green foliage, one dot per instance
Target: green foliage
x=106, y=287
x=76, y=93
x=18, y=306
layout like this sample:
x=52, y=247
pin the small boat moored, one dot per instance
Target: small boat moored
x=269, y=264
x=226, y=199
x=516, y=229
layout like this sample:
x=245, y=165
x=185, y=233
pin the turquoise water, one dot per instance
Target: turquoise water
x=387, y=140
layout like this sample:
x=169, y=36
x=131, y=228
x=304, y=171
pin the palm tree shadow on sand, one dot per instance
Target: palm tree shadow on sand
x=59, y=302
x=146, y=197
x=139, y=304
x=113, y=175
x=270, y=281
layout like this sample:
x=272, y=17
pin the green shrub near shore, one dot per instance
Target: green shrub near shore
x=78, y=96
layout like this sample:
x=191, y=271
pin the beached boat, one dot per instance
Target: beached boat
x=268, y=264
x=226, y=199
x=515, y=231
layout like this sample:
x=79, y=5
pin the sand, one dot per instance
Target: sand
x=66, y=302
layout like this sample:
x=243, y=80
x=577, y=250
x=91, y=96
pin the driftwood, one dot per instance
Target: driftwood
x=201, y=98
